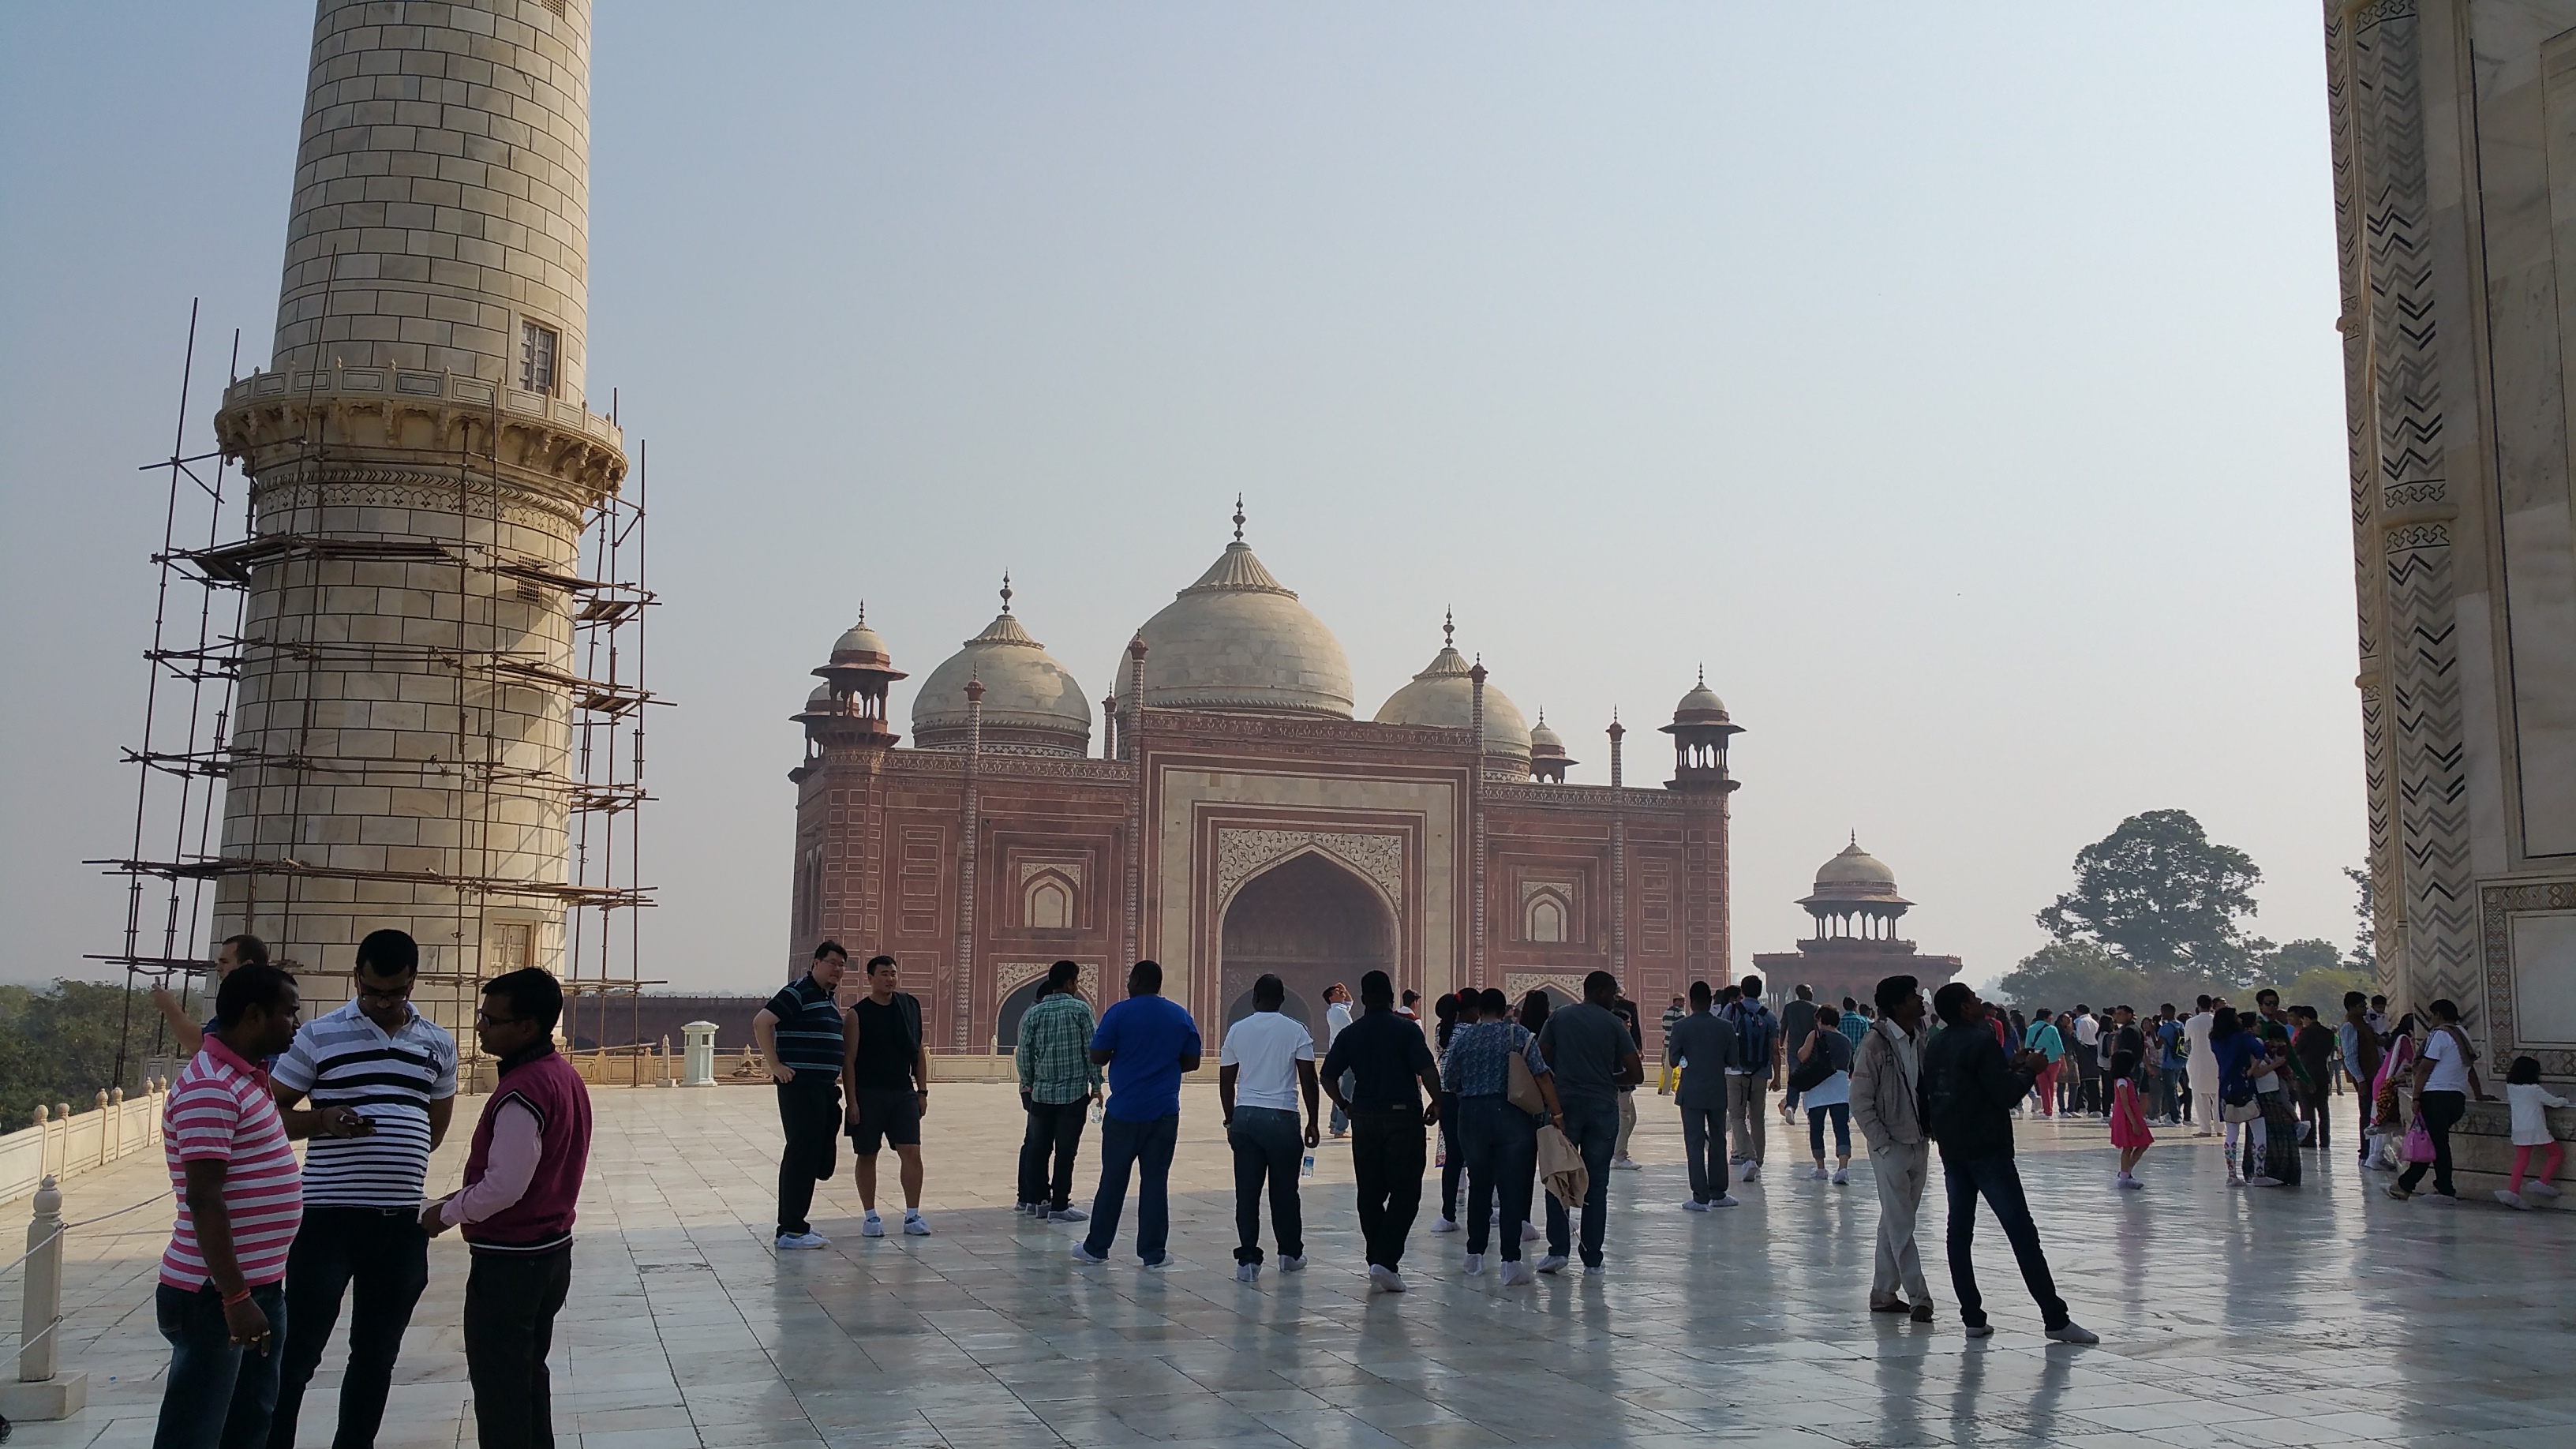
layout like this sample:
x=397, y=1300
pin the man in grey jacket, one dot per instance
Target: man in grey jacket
x=1705, y=1045
x=1886, y=1072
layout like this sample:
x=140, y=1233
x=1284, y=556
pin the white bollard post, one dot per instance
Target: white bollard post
x=700, y=1068
x=662, y=1061
x=41, y=1393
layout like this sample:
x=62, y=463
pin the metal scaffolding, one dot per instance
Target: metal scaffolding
x=186, y=751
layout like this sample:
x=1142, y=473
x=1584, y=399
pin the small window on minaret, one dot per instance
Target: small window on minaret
x=536, y=357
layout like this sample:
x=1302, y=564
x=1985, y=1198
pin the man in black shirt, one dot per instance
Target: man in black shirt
x=799, y=1032
x=1392, y=1067
x=889, y=1070
x=1969, y=1091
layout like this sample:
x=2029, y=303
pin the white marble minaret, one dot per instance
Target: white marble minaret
x=422, y=461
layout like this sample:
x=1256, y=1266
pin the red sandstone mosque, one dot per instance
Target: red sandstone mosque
x=1239, y=818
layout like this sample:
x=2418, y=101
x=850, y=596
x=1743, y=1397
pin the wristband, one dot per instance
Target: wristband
x=232, y=1298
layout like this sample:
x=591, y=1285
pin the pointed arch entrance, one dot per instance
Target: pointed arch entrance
x=1309, y=920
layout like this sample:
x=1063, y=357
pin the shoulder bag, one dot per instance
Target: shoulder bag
x=1521, y=1089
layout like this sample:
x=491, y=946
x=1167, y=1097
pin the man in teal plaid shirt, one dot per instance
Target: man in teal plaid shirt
x=1057, y=1085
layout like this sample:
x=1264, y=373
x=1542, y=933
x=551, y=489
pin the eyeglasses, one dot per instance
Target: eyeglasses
x=485, y=1018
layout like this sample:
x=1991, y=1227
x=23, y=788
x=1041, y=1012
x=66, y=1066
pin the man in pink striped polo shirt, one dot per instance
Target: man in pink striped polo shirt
x=241, y=1198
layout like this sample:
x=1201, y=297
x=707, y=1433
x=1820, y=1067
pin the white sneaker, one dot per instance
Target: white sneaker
x=2509, y=1199
x=791, y=1242
x=1591, y=1270
x=2262, y=1182
x=1475, y=1265
x=2542, y=1188
x=1724, y=1200
x=1817, y=1173
x=2440, y=1199
x=1752, y=1170
x=1693, y=1205
x=2071, y=1332
x=1515, y=1273
x=1552, y=1263
x=1444, y=1225
x=1069, y=1215
x=1530, y=1232
x=1384, y=1280
x=914, y=1226
x=1842, y=1177
x=1247, y=1272
x=1293, y=1265
x=1979, y=1330
x=1162, y=1264
x=1627, y=1164
x=1083, y=1254
x=871, y=1227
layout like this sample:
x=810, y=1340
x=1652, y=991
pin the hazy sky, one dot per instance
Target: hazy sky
x=1957, y=383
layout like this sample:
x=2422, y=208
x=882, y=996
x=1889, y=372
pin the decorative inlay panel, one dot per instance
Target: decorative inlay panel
x=2497, y=907
x=1243, y=854
x=1517, y=984
x=1010, y=976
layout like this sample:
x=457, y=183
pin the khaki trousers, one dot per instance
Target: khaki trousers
x=1744, y=1125
x=1901, y=1172
x=1627, y=1123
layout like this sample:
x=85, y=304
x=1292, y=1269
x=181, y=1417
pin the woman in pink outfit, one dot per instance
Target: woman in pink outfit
x=2128, y=1118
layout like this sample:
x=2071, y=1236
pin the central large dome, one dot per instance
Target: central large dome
x=1238, y=642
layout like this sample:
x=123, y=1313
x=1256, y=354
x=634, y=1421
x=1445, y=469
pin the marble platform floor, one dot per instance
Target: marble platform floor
x=2321, y=1315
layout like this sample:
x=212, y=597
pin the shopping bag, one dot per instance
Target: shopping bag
x=2419, y=1143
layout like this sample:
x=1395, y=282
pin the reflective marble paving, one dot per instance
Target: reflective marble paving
x=2317, y=1316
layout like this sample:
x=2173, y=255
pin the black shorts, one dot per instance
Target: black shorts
x=885, y=1115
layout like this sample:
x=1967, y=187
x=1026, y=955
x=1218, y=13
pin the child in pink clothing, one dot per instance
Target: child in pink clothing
x=2128, y=1118
x=2531, y=1133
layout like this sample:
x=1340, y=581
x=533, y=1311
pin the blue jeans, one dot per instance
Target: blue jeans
x=218, y=1395
x=1999, y=1182
x=1500, y=1148
x=1124, y=1146
x=1268, y=1148
x=1840, y=1112
x=1592, y=1125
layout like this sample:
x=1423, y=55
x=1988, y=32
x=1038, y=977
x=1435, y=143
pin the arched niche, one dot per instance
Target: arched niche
x=1311, y=921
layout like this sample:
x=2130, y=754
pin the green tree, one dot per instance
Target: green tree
x=2161, y=896
x=2060, y=974
x=59, y=1046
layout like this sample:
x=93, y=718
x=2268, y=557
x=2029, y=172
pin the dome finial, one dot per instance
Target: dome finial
x=1006, y=591
x=1448, y=628
x=1238, y=518
x=1855, y=838
x=1703, y=674
x=863, y=611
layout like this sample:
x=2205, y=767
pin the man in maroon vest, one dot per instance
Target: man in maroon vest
x=516, y=1209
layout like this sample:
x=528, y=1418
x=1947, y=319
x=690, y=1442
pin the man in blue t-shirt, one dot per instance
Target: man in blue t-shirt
x=1146, y=1041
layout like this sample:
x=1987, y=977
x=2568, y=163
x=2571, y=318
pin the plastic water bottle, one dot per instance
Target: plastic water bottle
x=1308, y=1168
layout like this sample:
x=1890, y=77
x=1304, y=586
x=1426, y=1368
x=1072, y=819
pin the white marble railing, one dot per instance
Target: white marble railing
x=60, y=1143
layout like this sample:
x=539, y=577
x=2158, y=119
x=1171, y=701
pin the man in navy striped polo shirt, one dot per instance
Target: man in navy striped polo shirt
x=799, y=1032
x=362, y=1194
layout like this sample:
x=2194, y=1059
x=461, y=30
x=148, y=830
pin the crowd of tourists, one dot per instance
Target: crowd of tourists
x=1531, y=1102
x=263, y=1253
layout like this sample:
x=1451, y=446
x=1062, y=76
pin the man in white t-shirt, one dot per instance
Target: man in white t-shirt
x=1266, y=1061
x=1337, y=1015
x=2085, y=1052
x=2446, y=1076
x=2201, y=1068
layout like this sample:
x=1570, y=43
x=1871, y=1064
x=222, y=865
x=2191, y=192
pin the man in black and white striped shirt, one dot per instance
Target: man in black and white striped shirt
x=362, y=1194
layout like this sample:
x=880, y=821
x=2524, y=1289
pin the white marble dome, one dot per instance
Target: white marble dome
x=1856, y=875
x=1442, y=694
x=1032, y=705
x=1238, y=642
x=1701, y=700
